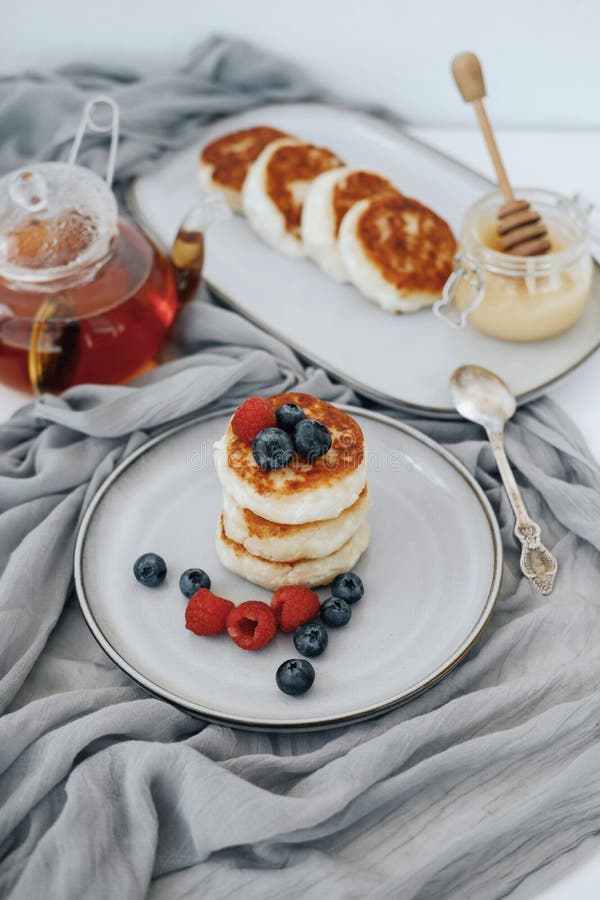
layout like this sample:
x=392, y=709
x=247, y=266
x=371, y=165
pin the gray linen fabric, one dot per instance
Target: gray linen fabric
x=106, y=792
x=39, y=112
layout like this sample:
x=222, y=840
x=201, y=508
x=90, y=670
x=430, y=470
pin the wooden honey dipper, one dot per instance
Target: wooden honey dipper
x=520, y=228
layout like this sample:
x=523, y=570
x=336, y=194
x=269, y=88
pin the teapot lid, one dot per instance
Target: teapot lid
x=59, y=219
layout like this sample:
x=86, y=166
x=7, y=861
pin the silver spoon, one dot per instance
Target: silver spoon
x=484, y=398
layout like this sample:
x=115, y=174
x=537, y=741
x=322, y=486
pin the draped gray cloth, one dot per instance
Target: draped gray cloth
x=39, y=112
x=106, y=792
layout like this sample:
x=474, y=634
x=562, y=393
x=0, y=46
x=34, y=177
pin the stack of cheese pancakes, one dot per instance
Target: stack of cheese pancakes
x=303, y=523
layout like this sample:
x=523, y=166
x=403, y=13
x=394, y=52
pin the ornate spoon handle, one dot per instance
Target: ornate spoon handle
x=537, y=563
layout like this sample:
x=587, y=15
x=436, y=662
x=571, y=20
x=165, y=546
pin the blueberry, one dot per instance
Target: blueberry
x=150, y=569
x=348, y=587
x=311, y=439
x=335, y=612
x=295, y=676
x=289, y=415
x=192, y=580
x=272, y=448
x=311, y=639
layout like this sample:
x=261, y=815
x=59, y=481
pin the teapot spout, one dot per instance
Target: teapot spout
x=188, y=249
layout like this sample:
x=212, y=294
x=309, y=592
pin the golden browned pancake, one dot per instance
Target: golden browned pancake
x=289, y=172
x=398, y=252
x=274, y=541
x=306, y=572
x=330, y=197
x=224, y=163
x=301, y=491
x=274, y=191
x=355, y=186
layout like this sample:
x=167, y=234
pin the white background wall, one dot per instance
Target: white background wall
x=542, y=57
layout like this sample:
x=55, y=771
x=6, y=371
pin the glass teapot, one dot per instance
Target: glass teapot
x=84, y=295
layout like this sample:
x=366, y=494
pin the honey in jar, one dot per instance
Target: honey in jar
x=517, y=298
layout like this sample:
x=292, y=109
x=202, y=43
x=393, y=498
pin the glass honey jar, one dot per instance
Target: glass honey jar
x=520, y=298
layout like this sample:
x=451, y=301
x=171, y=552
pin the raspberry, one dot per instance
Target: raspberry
x=251, y=625
x=294, y=605
x=252, y=416
x=206, y=613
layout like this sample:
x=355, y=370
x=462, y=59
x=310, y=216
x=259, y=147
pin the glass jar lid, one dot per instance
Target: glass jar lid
x=57, y=219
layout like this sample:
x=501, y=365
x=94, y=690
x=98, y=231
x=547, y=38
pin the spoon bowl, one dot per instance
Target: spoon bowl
x=482, y=397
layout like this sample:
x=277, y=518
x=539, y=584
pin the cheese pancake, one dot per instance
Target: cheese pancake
x=274, y=541
x=224, y=163
x=275, y=188
x=301, y=491
x=305, y=572
x=397, y=251
x=329, y=198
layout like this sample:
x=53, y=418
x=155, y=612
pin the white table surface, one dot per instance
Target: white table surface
x=566, y=161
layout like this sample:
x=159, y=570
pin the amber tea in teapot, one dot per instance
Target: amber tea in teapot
x=84, y=295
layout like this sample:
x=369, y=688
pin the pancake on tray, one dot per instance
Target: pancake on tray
x=224, y=163
x=275, y=187
x=329, y=198
x=397, y=251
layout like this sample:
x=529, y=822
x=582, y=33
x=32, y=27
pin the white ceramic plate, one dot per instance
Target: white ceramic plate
x=432, y=575
x=403, y=361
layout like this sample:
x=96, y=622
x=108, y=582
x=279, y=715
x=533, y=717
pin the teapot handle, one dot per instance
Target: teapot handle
x=111, y=126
